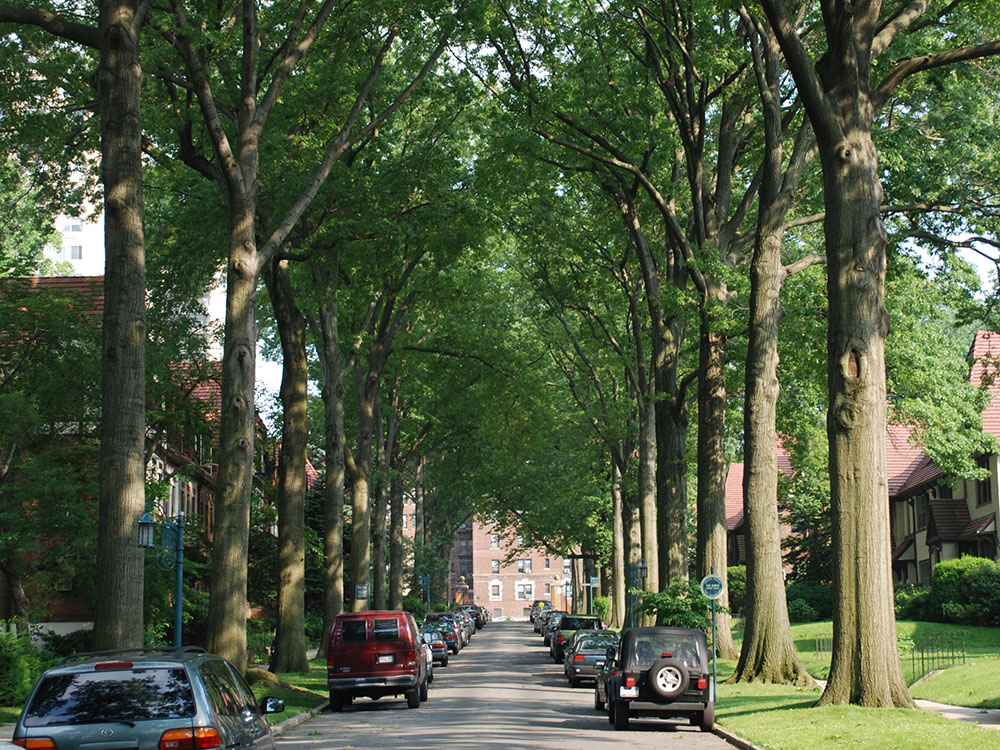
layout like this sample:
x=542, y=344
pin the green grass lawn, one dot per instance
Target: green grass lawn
x=302, y=691
x=975, y=684
x=9, y=714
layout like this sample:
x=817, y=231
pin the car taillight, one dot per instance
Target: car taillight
x=702, y=683
x=411, y=657
x=197, y=738
x=561, y=639
x=113, y=665
x=630, y=682
x=36, y=743
x=579, y=657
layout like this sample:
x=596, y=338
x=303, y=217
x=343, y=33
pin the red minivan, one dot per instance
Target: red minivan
x=375, y=654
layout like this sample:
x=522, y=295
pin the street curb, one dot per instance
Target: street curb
x=733, y=739
x=301, y=718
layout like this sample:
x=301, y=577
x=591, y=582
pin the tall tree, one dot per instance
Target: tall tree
x=118, y=620
x=841, y=101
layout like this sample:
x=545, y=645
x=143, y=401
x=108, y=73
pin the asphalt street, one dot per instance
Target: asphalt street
x=503, y=691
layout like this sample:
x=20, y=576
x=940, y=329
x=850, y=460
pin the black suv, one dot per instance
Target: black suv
x=660, y=672
x=179, y=698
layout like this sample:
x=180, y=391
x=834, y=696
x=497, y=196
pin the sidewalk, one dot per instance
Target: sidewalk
x=985, y=717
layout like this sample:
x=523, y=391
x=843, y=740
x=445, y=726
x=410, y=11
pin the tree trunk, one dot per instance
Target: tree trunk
x=361, y=512
x=118, y=619
x=648, y=511
x=768, y=653
x=711, y=551
x=333, y=503
x=290, y=639
x=619, y=553
x=396, y=549
x=865, y=667
x=380, y=559
x=227, y=604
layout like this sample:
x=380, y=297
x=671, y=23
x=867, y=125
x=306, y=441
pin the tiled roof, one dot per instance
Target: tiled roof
x=89, y=288
x=985, y=370
x=902, y=548
x=902, y=457
x=734, y=496
x=979, y=527
x=926, y=473
x=948, y=519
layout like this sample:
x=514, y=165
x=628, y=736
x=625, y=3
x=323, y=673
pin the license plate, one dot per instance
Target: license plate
x=384, y=659
x=628, y=692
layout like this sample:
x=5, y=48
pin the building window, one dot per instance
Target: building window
x=546, y=563
x=494, y=566
x=524, y=566
x=520, y=540
x=76, y=252
x=922, y=506
x=567, y=566
x=924, y=571
x=463, y=543
x=525, y=591
x=495, y=592
x=404, y=520
x=73, y=225
x=984, y=494
x=548, y=589
x=494, y=541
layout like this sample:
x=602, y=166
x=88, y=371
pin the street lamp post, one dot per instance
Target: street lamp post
x=636, y=572
x=171, y=539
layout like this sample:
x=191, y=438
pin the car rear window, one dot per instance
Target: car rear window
x=385, y=630
x=652, y=646
x=354, y=631
x=111, y=695
x=578, y=623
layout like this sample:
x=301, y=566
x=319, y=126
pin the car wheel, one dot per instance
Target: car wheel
x=573, y=681
x=620, y=714
x=668, y=678
x=598, y=703
x=706, y=719
x=444, y=661
x=336, y=703
x=413, y=698
x=454, y=650
x=611, y=711
x=423, y=690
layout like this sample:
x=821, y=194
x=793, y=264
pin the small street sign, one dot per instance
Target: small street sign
x=711, y=587
x=595, y=582
x=361, y=591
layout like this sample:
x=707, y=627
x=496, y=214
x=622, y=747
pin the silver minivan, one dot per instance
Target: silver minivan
x=149, y=699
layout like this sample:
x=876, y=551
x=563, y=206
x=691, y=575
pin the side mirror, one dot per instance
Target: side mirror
x=272, y=705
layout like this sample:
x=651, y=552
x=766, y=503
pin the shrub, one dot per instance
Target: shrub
x=602, y=606
x=736, y=581
x=681, y=604
x=912, y=602
x=816, y=595
x=69, y=644
x=799, y=610
x=20, y=666
x=416, y=605
x=966, y=590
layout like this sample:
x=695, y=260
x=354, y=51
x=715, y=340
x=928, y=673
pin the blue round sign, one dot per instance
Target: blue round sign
x=711, y=586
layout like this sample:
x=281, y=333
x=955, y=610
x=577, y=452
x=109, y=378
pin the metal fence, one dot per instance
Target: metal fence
x=936, y=652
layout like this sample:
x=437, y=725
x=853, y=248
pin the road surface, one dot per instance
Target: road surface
x=503, y=691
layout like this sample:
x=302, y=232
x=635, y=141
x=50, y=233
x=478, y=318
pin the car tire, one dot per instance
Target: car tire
x=336, y=703
x=454, y=649
x=598, y=703
x=620, y=714
x=706, y=719
x=573, y=681
x=423, y=690
x=611, y=712
x=444, y=661
x=413, y=698
x=668, y=679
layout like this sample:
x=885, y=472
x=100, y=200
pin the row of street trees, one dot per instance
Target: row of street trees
x=522, y=248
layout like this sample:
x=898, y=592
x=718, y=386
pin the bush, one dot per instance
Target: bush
x=20, y=666
x=736, y=582
x=816, y=595
x=416, y=605
x=602, y=606
x=681, y=604
x=913, y=602
x=799, y=610
x=69, y=644
x=965, y=590
x=260, y=632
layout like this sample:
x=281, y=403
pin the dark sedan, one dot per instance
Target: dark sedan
x=586, y=653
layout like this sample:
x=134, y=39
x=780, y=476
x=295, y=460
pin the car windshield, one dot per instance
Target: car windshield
x=579, y=623
x=650, y=647
x=119, y=695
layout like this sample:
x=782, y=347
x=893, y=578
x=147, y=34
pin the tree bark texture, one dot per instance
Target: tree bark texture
x=227, y=605
x=712, y=552
x=380, y=550
x=333, y=371
x=118, y=619
x=290, y=640
x=671, y=466
x=361, y=512
x=397, y=563
x=618, y=555
x=865, y=667
x=649, y=513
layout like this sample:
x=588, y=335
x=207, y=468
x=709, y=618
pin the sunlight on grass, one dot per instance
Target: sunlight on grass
x=975, y=684
x=301, y=691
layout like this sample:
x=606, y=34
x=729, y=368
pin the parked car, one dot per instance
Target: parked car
x=566, y=626
x=468, y=624
x=144, y=698
x=476, y=613
x=549, y=622
x=660, y=672
x=449, y=631
x=375, y=654
x=438, y=645
x=459, y=627
x=585, y=654
x=537, y=607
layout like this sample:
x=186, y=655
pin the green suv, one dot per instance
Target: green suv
x=149, y=699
